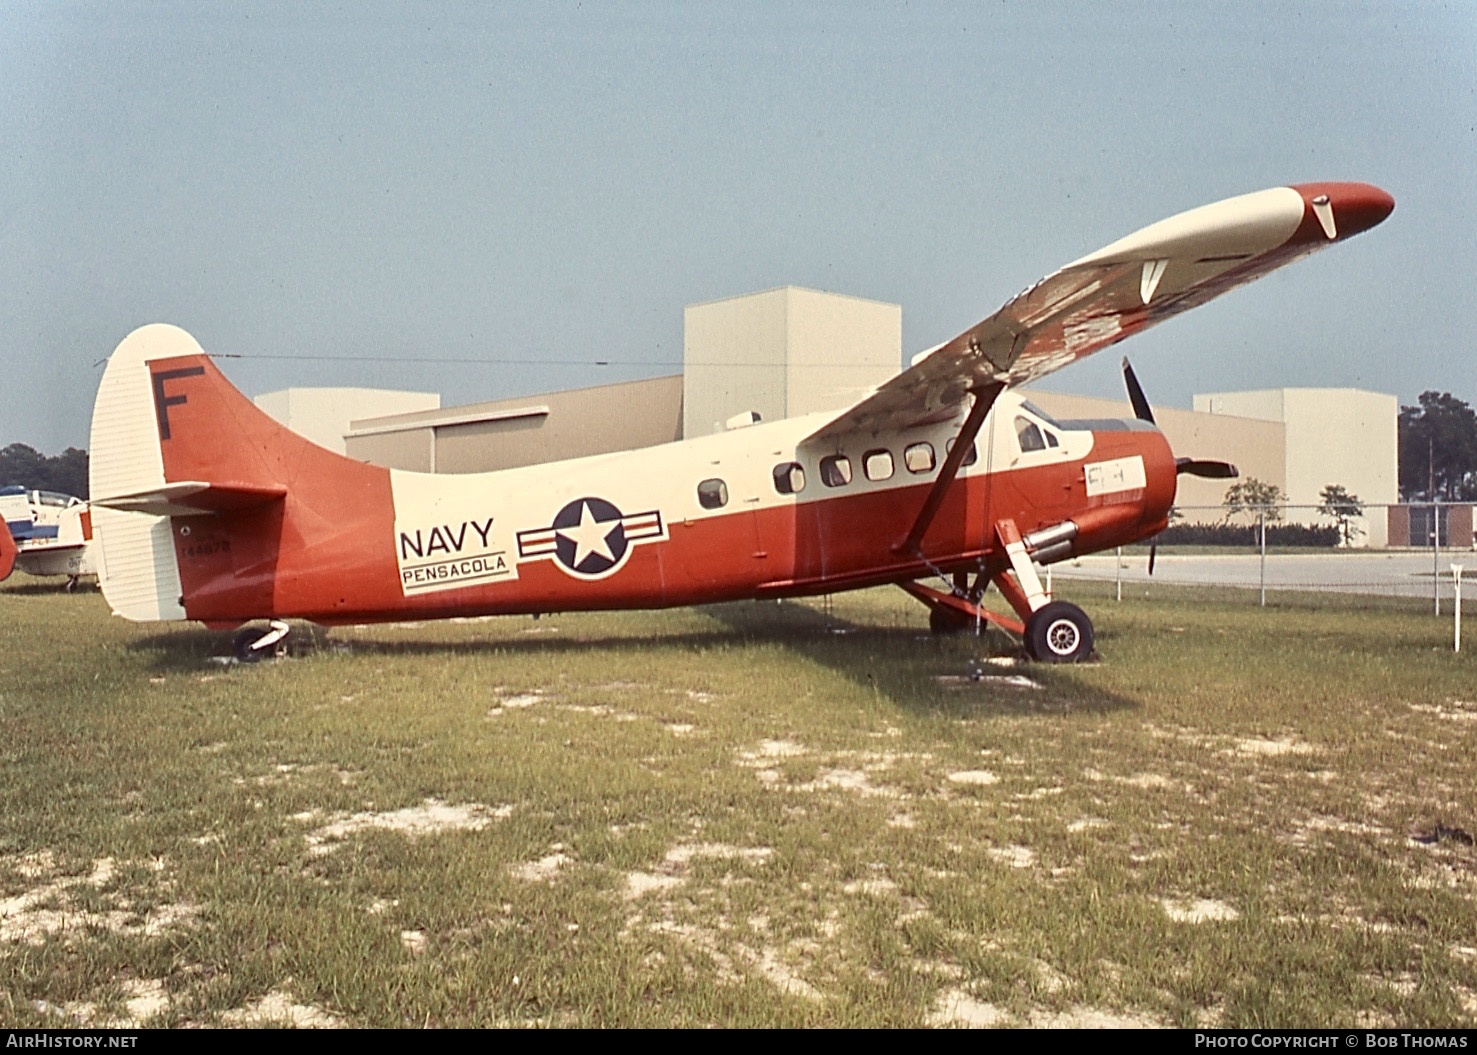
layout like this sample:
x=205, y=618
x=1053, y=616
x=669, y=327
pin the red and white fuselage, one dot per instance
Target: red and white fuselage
x=262, y=523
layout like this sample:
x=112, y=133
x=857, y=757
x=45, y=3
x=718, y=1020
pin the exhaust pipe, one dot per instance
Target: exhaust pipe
x=1051, y=543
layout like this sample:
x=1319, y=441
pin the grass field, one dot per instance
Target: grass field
x=758, y=814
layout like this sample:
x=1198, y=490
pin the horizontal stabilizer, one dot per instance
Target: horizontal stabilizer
x=191, y=497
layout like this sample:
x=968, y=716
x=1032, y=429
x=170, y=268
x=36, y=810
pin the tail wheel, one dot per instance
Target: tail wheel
x=254, y=644
x=1059, y=633
x=241, y=646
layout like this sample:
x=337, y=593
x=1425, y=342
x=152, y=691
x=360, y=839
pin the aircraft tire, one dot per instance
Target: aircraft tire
x=242, y=642
x=1059, y=632
x=948, y=621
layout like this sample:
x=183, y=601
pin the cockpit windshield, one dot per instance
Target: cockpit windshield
x=1043, y=415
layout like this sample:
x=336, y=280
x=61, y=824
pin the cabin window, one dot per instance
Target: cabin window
x=919, y=458
x=878, y=464
x=1051, y=440
x=789, y=478
x=1028, y=433
x=712, y=494
x=970, y=456
x=836, y=470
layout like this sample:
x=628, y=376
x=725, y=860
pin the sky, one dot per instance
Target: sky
x=486, y=200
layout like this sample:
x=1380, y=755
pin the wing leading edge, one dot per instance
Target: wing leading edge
x=1128, y=286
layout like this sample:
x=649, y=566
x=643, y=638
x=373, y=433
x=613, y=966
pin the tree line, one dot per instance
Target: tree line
x=65, y=472
x=1438, y=450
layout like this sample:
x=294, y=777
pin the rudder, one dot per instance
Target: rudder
x=136, y=563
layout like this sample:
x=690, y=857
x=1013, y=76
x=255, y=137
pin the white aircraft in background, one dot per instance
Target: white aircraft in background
x=47, y=533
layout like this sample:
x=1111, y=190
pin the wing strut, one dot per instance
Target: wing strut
x=984, y=399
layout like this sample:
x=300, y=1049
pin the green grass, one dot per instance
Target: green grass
x=745, y=816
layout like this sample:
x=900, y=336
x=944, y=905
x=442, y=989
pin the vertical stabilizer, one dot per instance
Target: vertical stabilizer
x=137, y=568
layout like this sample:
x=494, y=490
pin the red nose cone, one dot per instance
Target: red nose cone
x=1346, y=209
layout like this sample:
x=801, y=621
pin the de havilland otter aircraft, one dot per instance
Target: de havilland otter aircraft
x=942, y=480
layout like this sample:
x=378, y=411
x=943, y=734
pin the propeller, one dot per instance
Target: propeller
x=1136, y=394
x=1205, y=468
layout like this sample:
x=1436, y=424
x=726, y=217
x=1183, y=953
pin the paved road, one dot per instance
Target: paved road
x=1390, y=574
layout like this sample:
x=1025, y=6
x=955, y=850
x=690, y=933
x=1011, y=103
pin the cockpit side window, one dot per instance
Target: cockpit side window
x=1028, y=433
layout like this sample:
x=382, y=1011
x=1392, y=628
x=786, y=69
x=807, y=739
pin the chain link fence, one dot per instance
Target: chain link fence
x=1414, y=551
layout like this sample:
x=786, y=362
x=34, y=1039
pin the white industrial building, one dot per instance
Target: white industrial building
x=1340, y=436
x=323, y=414
x=784, y=353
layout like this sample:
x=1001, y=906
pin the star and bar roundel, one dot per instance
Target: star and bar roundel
x=590, y=538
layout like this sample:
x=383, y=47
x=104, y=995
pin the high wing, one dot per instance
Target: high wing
x=1138, y=281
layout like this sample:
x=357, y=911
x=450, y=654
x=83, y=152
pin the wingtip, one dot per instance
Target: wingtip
x=1337, y=211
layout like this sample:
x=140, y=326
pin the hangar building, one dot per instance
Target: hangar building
x=790, y=351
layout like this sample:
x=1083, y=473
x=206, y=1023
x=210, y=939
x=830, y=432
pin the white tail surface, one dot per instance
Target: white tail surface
x=137, y=568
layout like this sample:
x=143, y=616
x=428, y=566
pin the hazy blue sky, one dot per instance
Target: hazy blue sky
x=537, y=186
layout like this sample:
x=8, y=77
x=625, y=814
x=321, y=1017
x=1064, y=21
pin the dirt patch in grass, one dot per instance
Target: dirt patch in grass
x=75, y=904
x=544, y=869
x=135, y=1003
x=1198, y=910
x=1092, y=1018
x=955, y=1007
x=1013, y=856
x=1264, y=747
x=1451, y=711
x=279, y=1008
x=285, y=772
x=431, y=817
x=978, y=777
x=674, y=867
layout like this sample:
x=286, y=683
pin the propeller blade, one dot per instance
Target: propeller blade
x=1136, y=394
x=1153, y=554
x=1209, y=470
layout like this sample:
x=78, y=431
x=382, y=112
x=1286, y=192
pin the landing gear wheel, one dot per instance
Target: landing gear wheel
x=241, y=646
x=252, y=645
x=1059, y=633
x=948, y=621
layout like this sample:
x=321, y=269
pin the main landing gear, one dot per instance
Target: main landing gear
x=253, y=644
x=1052, y=631
x=1059, y=632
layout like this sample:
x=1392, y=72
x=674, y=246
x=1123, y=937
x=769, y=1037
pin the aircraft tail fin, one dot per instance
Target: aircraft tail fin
x=170, y=438
x=204, y=506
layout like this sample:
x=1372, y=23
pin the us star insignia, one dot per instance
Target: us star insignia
x=590, y=538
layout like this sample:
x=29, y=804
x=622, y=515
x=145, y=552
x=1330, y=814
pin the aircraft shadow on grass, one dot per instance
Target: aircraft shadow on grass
x=907, y=666
x=48, y=588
